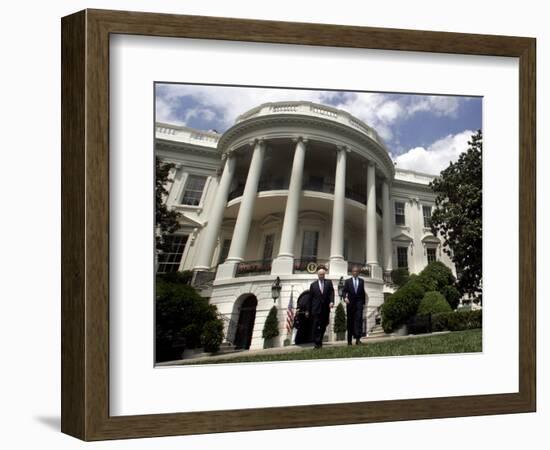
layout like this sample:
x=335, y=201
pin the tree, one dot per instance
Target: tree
x=166, y=220
x=340, y=325
x=183, y=319
x=458, y=213
x=271, y=326
x=433, y=302
x=403, y=304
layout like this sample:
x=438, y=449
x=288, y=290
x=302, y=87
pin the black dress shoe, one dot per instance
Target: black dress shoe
x=349, y=343
x=358, y=342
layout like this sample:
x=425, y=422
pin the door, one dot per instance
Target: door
x=245, y=324
x=304, y=333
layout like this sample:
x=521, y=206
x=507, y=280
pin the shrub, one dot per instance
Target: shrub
x=404, y=303
x=432, y=303
x=452, y=295
x=176, y=277
x=212, y=336
x=271, y=325
x=435, y=276
x=180, y=316
x=340, y=325
x=400, y=276
x=401, y=305
x=457, y=320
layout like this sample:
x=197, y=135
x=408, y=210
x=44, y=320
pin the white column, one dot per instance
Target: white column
x=283, y=264
x=338, y=266
x=175, y=181
x=372, y=245
x=215, y=218
x=386, y=223
x=244, y=218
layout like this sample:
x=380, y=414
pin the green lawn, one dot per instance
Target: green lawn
x=456, y=342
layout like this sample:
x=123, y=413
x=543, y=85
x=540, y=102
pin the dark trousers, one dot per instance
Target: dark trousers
x=318, y=325
x=354, y=321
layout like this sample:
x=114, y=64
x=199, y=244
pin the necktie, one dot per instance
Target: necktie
x=322, y=285
x=355, y=284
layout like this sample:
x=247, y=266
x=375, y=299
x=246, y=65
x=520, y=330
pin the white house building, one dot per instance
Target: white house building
x=291, y=186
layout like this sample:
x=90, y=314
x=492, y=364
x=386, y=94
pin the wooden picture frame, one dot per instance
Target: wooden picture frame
x=85, y=224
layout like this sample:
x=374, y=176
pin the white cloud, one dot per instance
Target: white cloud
x=437, y=156
x=436, y=104
x=226, y=103
x=165, y=112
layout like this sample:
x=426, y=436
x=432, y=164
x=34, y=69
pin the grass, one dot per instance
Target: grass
x=456, y=342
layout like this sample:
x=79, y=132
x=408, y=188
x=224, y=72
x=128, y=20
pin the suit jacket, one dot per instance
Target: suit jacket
x=319, y=303
x=358, y=298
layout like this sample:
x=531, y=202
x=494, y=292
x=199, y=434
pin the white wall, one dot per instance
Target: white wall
x=30, y=229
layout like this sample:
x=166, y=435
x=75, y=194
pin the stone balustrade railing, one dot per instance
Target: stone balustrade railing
x=311, y=109
x=184, y=134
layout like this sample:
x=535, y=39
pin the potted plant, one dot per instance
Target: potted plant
x=340, y=322
x=271, y=328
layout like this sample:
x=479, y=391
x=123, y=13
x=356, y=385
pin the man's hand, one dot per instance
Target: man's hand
x=346, y=301
x=331, y=305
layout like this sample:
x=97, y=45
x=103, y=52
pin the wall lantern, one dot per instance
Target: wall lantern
x=276, y=289
x=341, y=287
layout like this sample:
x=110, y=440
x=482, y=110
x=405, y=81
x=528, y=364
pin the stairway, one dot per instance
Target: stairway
x=376, y=332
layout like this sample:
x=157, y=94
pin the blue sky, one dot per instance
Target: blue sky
x=422, y=132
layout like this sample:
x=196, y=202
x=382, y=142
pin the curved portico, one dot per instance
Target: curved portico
x=292, y=149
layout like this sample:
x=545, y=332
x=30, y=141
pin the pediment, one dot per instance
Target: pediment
x=402, y=237
x=431, y=239
x=190, y=222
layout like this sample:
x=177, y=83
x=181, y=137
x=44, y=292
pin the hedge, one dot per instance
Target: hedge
x=433, y=302
x=452, y=295
x=435, y=276
x=457, y=320
x=181, y=316
x=212, y=336
x=400, y=276
x=401, y=305
x=404, y=303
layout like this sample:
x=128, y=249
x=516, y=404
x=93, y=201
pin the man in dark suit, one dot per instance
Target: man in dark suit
x=321, y=300
x=355, y=297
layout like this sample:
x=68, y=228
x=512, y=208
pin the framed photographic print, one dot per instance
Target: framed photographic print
x=248, y=205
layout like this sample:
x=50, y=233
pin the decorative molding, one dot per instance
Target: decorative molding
x=320, y=124
x=303, y=139
x=271, y=220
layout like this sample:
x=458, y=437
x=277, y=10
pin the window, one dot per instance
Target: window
x=346, y=249
x=169, y=260
x=402, y=257
x=431, y=255
x=427, y=213
x=268, y=247
x=224, y=251
x=192, y=193
x=309, y=245
x=315, y=183
x=399, y=213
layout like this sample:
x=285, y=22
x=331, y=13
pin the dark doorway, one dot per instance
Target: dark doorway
x=245, y=324
x=304, y=332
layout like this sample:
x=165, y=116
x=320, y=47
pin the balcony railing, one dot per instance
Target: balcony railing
x=309, y=265
x=258, y=267
x=364, y=269
x=280, y=184
x=204, y=279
